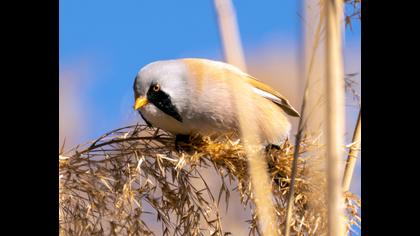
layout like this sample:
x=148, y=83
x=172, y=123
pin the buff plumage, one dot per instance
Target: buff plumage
x=188, y=96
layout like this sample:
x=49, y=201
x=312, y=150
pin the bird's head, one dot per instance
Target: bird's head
x=162, y=84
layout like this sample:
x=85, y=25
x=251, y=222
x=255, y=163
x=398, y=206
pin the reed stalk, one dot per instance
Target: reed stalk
x=229, y=33
x=335, y=115
x=260, y=180
x=301, y=126
x=352, y=157
x=257, y=165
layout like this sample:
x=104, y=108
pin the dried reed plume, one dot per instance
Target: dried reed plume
x=112, y=185
x=131, y=178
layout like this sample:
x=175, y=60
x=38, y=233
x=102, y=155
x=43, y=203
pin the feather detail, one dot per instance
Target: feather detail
x=201, y=68
x=272, y=95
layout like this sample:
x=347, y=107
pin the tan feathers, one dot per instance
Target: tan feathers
x=202, y=68
x=281, y=100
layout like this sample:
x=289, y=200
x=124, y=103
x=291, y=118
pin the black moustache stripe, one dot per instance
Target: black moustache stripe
x=162, y=101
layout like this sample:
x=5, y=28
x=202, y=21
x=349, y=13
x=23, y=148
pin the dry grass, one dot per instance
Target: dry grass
x=128, y=178
x=131, y=178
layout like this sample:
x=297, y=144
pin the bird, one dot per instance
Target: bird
x=190, y=96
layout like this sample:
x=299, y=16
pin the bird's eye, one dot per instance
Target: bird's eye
x=156, y=87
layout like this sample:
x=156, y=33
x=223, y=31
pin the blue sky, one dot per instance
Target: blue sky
x=114, y=39
x=106, y=42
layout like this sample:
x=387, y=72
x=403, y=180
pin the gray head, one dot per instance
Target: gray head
x=163, y=84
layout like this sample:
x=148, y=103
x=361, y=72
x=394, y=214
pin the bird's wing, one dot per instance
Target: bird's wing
x=198, y=66
x=272, y=95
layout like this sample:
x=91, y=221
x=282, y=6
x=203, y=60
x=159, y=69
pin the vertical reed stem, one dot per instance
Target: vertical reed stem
x=335, y=116
x=352, y=157
x=260, y=180
x=290, y=198
x=229, y=33
x=301, y=126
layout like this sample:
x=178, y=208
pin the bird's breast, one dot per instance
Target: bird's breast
x=161, y=120
x=207, y=121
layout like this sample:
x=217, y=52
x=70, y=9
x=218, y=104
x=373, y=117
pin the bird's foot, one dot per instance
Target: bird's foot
x=181, y=141
x=272, y=146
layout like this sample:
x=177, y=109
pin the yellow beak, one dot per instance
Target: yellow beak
x=140, y=102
